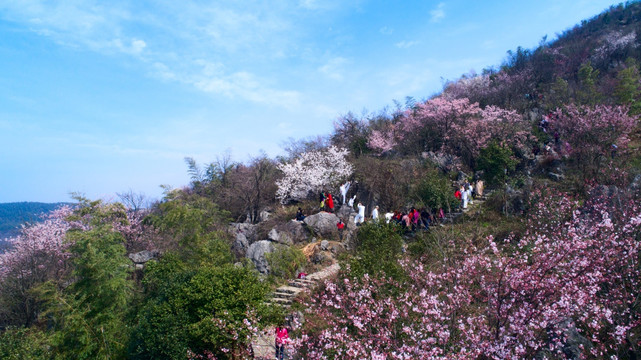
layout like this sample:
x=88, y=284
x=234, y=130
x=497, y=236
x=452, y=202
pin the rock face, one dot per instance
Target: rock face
x=291, y=232
x=244, y=235
x=256, y=253
x=143, y=256
x=323, y=224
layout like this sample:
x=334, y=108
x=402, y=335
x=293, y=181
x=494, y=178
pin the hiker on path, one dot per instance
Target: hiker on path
x=282, y=338
x=351, y=202
x=464, y=197
x=375, y=213
x=479, y=188
x=340, y=225
x=330, y=202
x=321, y=198
x=360, y=218
x=344, y=189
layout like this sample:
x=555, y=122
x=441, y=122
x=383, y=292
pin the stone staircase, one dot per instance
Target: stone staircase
x=285, y=295
x=263, y=342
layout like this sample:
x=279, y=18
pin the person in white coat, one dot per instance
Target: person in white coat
x=344, y=189
x=375, y=213
x=464, y=196
x=360, y=217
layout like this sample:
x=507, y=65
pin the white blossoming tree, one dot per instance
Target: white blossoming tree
x=312, y=172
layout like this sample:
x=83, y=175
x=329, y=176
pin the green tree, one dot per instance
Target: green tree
x=628, y=88
x=588, y=77
x=88, y=316
x=202, y=311
x=434, y=191
x=193, y=225
x=496, y=161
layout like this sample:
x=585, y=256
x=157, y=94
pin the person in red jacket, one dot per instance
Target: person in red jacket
x=282, y=337
x=330, y=202
x=340, y=225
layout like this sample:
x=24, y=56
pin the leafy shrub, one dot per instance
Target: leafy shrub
x=434, y=191
x=378, y=247
x=22, y=343
x=285, y=261
x=495, y=161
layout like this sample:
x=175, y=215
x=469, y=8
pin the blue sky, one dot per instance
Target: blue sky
x=103, y=97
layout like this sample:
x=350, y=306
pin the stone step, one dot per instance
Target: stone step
x=277, y=295
x=289, y=289
x=300, y=283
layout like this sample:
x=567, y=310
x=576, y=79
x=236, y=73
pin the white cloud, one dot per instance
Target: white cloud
x=234, y=40
x=438, y=13
x=334, y=68
x=406, y=44
x=386, y=30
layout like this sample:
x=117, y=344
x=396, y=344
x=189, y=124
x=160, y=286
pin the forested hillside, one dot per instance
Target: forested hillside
x=498, y=219
x=13, y=215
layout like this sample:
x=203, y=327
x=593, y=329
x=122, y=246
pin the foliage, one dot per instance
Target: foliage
x=213, y=309
x=192, y=225
x=88, y=316
x=285, y=261
x=496, y=161
x=435, y=192
x=498, y=301
x=22, y=343
x=377, y=247
x=628, y=89
x=312, y=172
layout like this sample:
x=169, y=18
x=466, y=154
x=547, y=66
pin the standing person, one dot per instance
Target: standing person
x=416, y=218
x=479, y=188
x=426, y=218
x=330, y=202
x=375, y=213
x=464, y=197
x=282, y=337
x=321, y=198
x=441, y=215
x=351, y=202
x=360, y=218
x=344, y=189
x=340, y=225
x=470, y=189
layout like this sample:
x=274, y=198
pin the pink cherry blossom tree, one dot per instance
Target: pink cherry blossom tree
x=511, y=299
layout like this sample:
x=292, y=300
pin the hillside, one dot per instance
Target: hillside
x=13, y=215
x=499, y=219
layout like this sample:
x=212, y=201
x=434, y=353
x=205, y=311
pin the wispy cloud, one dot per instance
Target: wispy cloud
x=386, y=30
x=406, y=44
x=438, y=13
x=334, y=68
x=173, y=42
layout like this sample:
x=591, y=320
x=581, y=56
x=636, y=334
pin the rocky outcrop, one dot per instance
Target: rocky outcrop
x=291, y=232
x=256, y=253
x=144, y=256
x=323, y=224
x=244, y=234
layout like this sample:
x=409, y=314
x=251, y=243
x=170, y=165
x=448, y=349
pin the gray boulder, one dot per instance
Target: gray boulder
x=143, y=256
x=240, y=245
x=256, y=253
x=323, y=224
x=291, y=232
x=249, y=231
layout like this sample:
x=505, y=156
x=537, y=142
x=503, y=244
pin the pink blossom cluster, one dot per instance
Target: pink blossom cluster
x=500, y=300
x=313, y=171
x=462, y=127
x=593, y=130
x=39, y=251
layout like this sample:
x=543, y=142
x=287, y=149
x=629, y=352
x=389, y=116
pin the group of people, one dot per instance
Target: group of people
x=466, y=192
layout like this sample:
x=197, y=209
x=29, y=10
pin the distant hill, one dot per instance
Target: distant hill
x=12, y=215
